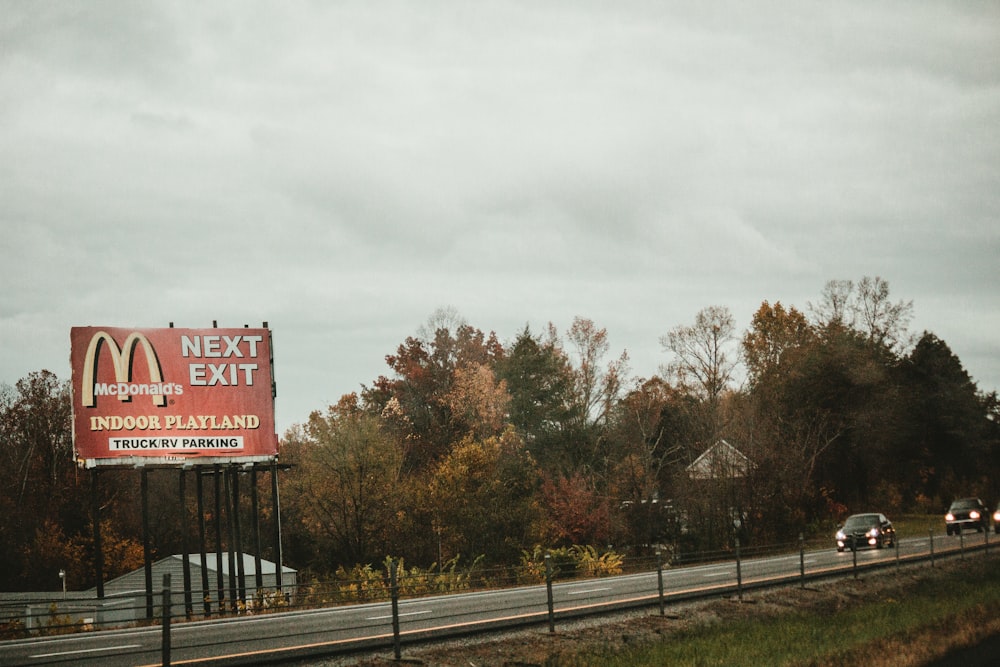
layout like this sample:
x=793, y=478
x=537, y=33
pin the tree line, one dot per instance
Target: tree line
x=476, y=449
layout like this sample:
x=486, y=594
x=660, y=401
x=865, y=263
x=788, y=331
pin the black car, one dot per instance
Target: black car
x=966, y=513
x=866, y=530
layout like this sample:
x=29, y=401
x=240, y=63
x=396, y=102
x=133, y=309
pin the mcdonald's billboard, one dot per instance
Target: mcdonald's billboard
x=170, y=395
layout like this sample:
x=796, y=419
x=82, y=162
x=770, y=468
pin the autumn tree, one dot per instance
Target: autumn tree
x=479, y=400
x=784, y=435
x=648, y=438
x=597, y=386
x=417, y=401
x=37, y=436
x=343, y=488
x=647, y=444
x=38, y=481
x=49, y=551
x=774, y=331
x=831, y=417
x=577, y=512
x=483, y=497
x=540, y=383
x=947, y=447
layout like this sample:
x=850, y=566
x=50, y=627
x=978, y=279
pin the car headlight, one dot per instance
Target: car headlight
x=873, y=532
x=996, y=516
x=973, y=514
x=949, y=517
x=842, y=536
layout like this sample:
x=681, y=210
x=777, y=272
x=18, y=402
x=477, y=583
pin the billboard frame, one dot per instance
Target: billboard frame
x=172, y=397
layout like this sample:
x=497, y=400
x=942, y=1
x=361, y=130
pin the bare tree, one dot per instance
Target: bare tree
x=834, y=306
x=866, y=308
x=704, y=355
x=597, y=387
x=885, y=322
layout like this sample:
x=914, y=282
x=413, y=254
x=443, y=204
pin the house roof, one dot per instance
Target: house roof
x=249, y=563
x=133, y=581
x=721, y=460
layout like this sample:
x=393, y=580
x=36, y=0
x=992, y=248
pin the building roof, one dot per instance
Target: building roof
x=249, y=563
x=720, y=461
x=174, y=565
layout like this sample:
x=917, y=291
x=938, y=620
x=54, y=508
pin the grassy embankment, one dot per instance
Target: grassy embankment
x=878, y=623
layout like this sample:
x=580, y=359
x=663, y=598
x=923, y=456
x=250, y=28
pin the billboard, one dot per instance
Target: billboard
x=168, y=396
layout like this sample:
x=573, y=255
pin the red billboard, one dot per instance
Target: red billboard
x=167, y=396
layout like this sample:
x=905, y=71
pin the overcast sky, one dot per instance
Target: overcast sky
x=342, y=170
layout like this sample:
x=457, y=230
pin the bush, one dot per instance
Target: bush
x=568, y=562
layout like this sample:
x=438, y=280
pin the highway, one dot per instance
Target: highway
x=301, y=634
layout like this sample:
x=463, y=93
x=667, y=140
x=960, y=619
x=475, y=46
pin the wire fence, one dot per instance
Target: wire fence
x=393, y=582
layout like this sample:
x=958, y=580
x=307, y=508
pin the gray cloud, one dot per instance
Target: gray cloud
x=342, y=171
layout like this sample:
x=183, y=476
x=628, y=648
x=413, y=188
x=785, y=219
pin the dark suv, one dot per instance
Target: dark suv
x=967, y=513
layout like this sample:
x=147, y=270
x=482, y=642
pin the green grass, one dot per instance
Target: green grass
x=826, y=636
x=918, y=525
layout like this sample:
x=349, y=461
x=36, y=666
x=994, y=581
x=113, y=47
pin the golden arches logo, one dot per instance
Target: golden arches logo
x=122, y=358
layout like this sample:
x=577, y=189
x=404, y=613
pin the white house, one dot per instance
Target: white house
x=720, y=461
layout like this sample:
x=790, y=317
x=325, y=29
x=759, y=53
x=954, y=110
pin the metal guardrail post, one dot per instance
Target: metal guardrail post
x=930, y=533
x=659, y=579
x=165, y=650
x=548, y=588
x=394, y=594
x=854, y=555
x=739, y=572
x=895, y=544
x=961, y=542
x=802, y=560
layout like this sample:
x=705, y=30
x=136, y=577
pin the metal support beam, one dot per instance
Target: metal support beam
x=95, y=512
x=203, y=551
x=146, y=549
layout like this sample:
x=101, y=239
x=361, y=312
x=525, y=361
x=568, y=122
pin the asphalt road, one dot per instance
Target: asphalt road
x=257, y=639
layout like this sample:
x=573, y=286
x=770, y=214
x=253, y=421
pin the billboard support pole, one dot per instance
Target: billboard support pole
x=258, y=572
x=147, y=562
x=95, y=510
x=185, y=546
x=220, y=581
x=203, y=551
x=227, y=473
x=240, y=568
x=276, y=518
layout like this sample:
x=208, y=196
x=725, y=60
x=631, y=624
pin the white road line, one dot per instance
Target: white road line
x=588, y=590
x=86, y=650
x=409, y=613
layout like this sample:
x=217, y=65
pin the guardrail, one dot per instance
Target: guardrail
x=514, y=601
x=661, y=599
